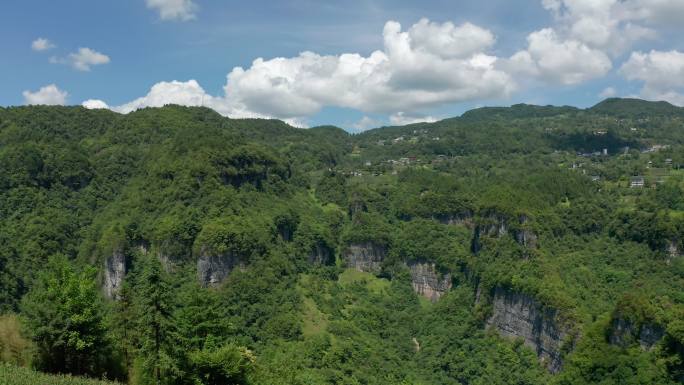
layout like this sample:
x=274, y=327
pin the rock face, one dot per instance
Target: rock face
x=520, y=316
x=427, y=282
x=366, y=257
x=494, y=225
x=114, y=273
x=649, y=335
x=526, y=238
x=464, y=219
x=497, y=226
x=523, y=235
x=321, y=254
x=624, y=332
x=673, y=250
x=213, y=269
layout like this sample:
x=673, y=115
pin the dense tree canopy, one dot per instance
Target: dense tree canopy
x=531, y=200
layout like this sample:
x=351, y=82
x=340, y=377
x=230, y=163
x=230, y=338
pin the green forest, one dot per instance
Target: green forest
x=517, y=245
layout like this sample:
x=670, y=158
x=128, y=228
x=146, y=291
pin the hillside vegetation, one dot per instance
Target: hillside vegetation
x=12, y=375
x=520, y=245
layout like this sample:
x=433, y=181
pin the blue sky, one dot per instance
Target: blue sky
x=369, y=63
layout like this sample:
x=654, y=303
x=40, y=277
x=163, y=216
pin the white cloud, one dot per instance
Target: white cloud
x=655, y=12
x=554, y=60
x=410, y=73
x=402, y=119
x=86, y=57
x=609, y=25
x=608, y=92
x=48, y=95
x=449, y=40
x=183, y=10
x=662, y=74
x=190, y=94
x=41, y=44
x=184, y=93
x=94, y=104
x=407, y=74
x=585, y=35
x=427, y=65
x=82, y=59
x=365, y=123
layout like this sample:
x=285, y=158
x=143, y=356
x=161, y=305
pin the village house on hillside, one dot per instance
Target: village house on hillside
x=637, y=182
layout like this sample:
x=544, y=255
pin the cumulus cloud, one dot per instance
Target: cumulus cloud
x=402, y=119
x=94, y=104
x=609, y=25
x=41, y=44
x=449, y=40
x=661, y=72
x=365, y=124
x=410, y=72
x=48, y=95
x=184, y=93
x=555, y=60
x=655, y=12
x=607, y=92
x=83, y=59
x=426, y=65
x=584, y=37
x=182, y=10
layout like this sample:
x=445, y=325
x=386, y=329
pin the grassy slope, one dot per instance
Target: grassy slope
x=12, y=375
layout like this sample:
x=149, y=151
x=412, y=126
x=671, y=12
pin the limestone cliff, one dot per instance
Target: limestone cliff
x=427, y=281
x=673, y=250
x=524, y=235
x=321, y=254
x=624, y=332
x=518, y=315
x=366, y=257
x=213, y=269
x=494, y=225
x=465, y=219
x=497, y=225
x=114, y=273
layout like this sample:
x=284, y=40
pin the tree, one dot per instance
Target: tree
x=155, y=322
x=64, y=315
x=226, y=365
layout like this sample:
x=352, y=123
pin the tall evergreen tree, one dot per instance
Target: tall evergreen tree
x=154, y=306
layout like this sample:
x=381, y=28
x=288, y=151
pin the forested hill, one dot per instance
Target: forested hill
x=519, y=245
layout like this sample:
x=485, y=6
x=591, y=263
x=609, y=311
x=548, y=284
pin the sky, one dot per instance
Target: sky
x=357, y=64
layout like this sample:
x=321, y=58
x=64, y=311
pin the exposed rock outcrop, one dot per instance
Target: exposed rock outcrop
x=673, y=250
x=649, y=335
x=524, y=235
x=526, y=238
x=213, y=269
x=357, y=206
x=321, y=254
x=624, y=332
x=464, y=219
x=428, y=282
x=494, y=225
x=366, y=257
x=521, y=316
x=114, y=273
x=497, y=226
